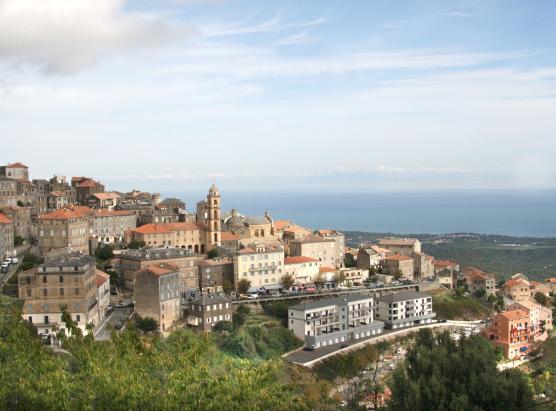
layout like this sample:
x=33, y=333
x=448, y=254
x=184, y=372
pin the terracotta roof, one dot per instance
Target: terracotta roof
x=161, y=269
x=57, y=193
x=527, y=304
x=281, y=224
x=314, y=239
x=326, y=270
x=87, y=184
x=167, y=228
x=472, y=272
x=77, y=179
x=61, y=214
x=398, y=257
x=17, y=165
x=295, y=228
x=4, y=219
x=444, y=263
x=514, y=314
x=512, y=282
x=101, y=277
x=106, y=196
x=103, y=212
x=299, y=260
x=551, y=280
x=229, y=236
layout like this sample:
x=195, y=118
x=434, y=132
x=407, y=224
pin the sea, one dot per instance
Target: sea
x=513, y=213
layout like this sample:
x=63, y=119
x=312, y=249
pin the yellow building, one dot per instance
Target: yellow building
x=261, y=265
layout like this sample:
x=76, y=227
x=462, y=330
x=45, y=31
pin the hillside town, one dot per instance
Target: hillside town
x=192, y=269
x=86, y=261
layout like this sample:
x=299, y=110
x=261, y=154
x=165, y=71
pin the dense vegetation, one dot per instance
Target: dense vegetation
x=500, y=255
x=440, y=374
x=184, y=371
x=458, y=307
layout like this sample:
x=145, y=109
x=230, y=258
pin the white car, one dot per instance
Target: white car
x=253, y=296
x=15, y=260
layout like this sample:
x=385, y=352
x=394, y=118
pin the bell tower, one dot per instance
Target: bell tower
x=213, y=218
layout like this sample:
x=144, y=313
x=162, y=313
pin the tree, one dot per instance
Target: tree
x=339, y=278
x=427, y=380
x=459, y=291
x=243, y=285
x=480, y=293
x=104, y=252
x=541, y=298
x=349, y=260
x=146, y=324
x=135, y=244
x=243, y=309
x=288, y=281
x=319, y=280
x=397, y=275
x=212, y=253
x=18, y=240
x=30, y=261
x=224, y=326
x=20, y=203
x=227, y=286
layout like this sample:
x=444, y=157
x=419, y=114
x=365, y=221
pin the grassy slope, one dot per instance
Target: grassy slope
x=451, y=307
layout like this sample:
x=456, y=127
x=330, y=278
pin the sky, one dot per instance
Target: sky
x=313, y=95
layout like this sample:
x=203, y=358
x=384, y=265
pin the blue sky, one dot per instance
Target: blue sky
x=315, y=95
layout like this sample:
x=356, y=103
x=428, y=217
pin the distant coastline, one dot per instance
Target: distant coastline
x=518, y=213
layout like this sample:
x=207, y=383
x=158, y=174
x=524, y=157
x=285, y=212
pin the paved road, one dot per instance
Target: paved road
x=119, y=314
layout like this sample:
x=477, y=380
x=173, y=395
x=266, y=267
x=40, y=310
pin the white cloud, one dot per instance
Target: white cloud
x=65, y=36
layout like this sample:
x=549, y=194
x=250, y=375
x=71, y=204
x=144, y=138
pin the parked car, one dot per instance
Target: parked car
x=252, y=296
x=309, y=347
x=4, y=269
x=310, y=290
x=275, y=293
x=15, y=260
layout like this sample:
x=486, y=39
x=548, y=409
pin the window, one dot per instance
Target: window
x=30, y=319
x=44, y=279
x=61, y=291
x=61, y=278
x=77, y=318
x=28, y=280
x=46, y=319
x=77, y=291
x=28, y=292
x=45, y=292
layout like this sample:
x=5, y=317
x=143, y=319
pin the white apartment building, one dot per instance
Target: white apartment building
x=260, y=264
x=334, y=320
x=303, y=269
x=404, y=309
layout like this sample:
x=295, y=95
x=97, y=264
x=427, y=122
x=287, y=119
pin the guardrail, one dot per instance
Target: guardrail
x=369, y=291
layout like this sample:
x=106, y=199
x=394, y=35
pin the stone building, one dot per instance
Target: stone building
x=64, y=228
x=394, y=264
x=6, y=236
x=68, y=279
x=323, y=249
x=158, y=216
x=21, y=218
x=208, y=310
x=261, y=265
x=8, y=192
x=174, y=204
x=84, y=187
x=102, y=200
x=340, y=242
x=16, y=171
x=103, y=291
x=129, y=262
x=230, y=241
x=157, y=294
x=371, y=256
x=215, y=274
x=423, y=265
x=56, y=200
x=402, y=246
x=110, y=226
x=200, y=236
x=477, y=280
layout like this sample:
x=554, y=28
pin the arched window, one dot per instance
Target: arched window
x=202, y=248
x=215, y=214
x=215, y=237
x=216, y=225
x=196, y=249
x=262, y=233
x=190, y=247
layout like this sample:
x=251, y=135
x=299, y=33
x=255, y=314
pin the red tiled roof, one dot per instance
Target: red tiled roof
x=4, y=219
x=444, y=263
x=166, y=228
x=87, y=184
x=106, y=196
x=161, y=269
x=472, y=272
x=512, y=282
x=101, y=277
x=17, y=165
x=103, y=212
x=229, y=236
x=299, y=260
x=61, y=214
x=281, y=224
x=551, y=280
x=326, y=269
x=514, y=315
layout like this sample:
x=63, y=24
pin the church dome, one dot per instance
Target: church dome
x=214, y=191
